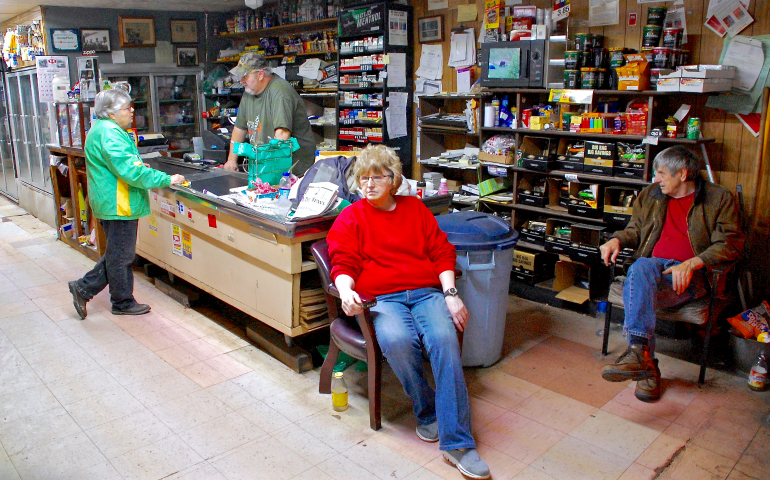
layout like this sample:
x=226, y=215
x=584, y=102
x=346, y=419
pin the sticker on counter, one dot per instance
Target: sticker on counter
x=187, y=244
x=212, y=220
x=167, y=208
x=176, y=239
x=155, y=196
x=180, y=207
x=189, y=214
x=153, y=224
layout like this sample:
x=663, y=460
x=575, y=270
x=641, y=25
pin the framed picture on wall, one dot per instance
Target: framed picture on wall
x=96, y=40
x=431, y=29
x=136, y=31
x=184, y=31
x=186, y=56
x=65, y=39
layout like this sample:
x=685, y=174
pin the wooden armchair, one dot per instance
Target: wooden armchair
x=702, y=312
x=354, y=336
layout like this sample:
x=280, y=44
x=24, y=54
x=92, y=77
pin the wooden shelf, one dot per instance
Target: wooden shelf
x=326, y=23
x=583, y=177
x=552, y=213
x=597, y=136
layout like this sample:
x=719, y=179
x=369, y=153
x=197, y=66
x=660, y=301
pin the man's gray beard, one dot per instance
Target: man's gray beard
x=249, y=91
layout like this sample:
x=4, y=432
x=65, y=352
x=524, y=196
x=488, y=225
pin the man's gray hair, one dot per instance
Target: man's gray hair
x=110, y=102
x=676, y=158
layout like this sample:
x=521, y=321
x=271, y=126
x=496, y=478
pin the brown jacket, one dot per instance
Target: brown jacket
x=712, y=223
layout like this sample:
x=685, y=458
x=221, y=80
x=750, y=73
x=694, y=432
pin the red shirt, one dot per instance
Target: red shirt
x=674, y=242
x=386, y=252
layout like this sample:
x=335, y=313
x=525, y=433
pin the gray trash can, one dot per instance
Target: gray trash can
x=484, y=246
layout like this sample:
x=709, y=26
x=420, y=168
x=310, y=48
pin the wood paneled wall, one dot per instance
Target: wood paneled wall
x=736, y=157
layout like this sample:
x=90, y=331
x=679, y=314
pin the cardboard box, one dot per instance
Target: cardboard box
x=528, y=196
x=640, y=80
x=583, y=207
x=630, y=161
x=564, y=160
x=571, y=278
x=614, y=212
x=625, y=255
x=701, y=85
x=453, y=185
x=509, y=159
x=599, y=158
x=531, y=278
x=585, y=241
x=555, y=200
x=553, y=242
x=666, y=84
x=495, y=184
x=530, y=235
x=535, y=153
x=532, y=261
x=706, y=71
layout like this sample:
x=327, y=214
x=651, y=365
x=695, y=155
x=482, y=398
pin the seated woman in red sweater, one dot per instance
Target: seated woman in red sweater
x=391, y=247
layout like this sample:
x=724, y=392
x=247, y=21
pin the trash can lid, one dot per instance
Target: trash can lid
x=477, y=231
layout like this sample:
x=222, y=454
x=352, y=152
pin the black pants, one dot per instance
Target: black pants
x=114, y=268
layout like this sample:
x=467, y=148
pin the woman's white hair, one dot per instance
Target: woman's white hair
x=110, y=102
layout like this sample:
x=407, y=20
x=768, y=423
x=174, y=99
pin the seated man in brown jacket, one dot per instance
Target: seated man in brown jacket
x=680, y=227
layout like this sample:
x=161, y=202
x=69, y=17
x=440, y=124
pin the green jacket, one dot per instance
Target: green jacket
x=117, y=178
x=712, y=223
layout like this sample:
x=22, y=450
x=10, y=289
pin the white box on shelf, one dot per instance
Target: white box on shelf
x=701, y=85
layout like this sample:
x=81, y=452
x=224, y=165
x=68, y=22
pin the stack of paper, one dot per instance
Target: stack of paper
x=312, y=305
x=319, y=199
x=463, y=49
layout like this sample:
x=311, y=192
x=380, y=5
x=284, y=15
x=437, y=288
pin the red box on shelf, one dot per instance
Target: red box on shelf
x=636, y=124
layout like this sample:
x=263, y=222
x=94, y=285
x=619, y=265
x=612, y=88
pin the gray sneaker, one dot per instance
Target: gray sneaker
x=428, y=433
x=469, y=463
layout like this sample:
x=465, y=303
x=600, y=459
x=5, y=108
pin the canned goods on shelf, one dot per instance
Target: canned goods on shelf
x=693, y=128
x=651, y=36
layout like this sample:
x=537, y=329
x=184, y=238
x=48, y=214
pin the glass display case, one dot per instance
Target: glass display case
x=167, y=100
x=73, y=123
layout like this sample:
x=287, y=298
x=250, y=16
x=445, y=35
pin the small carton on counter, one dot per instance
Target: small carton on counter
x=585, y=241
x=503, y=159
x=599, y=158
x=635, y=75
x=557, y=236
x=570, y=154
x=535, y=153
x=618, y=204
x=585, y=200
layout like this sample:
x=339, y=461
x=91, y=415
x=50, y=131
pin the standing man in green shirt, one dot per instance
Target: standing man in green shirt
x=270, y=108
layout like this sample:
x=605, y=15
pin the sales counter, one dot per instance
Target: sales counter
x=255, y=262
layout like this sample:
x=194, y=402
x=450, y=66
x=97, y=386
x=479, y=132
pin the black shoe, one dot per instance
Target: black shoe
x=137, y=309
x=77, y=300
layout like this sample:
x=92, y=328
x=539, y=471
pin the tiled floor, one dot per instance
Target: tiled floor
x=176, y=394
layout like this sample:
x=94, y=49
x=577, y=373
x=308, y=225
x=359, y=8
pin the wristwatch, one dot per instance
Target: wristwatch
x=450, y=292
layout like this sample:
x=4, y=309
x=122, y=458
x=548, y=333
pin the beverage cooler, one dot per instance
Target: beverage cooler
x=7, y=169
x=30, y=131
x=167, y=100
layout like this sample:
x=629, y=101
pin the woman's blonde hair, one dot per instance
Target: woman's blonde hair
x=379, y=158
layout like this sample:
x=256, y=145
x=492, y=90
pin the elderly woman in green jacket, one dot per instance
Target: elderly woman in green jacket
x=118, y=181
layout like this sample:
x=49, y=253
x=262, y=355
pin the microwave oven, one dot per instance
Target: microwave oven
x=517, y=64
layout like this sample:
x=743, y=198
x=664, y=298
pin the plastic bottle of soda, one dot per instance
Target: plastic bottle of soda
x=758, y=374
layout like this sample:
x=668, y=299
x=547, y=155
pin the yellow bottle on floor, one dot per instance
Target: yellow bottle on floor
x=339, y=392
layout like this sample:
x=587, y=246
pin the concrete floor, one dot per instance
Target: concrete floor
x=179, y=394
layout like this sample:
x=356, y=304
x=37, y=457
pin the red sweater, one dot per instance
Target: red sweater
x=674, y=242
x=386, y=252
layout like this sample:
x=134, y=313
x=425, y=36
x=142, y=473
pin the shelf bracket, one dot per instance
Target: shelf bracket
x=706, y=161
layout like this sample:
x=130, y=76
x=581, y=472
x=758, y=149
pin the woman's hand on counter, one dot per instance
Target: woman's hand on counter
x=232, y=166
x=177, y=179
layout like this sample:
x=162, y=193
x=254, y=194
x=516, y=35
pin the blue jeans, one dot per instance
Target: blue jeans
x=404, y=321
x=647, y=289
x=114, y=268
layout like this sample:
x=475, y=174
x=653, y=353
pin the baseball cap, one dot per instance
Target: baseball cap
x=247, y=63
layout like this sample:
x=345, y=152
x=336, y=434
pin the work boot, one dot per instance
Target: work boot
x=469, y=463
x=648, y=390
x=78, y=300
x=428, y=433
x=635, y=364
x=137, y=309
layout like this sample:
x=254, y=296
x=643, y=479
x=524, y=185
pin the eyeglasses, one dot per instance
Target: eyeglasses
x=378, y=179
x=127, y=108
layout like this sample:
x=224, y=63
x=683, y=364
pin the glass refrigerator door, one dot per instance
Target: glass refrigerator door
x=7, y=173
x=177, y=97
x=43, y=127
x=141, y=93
x=17, y=129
